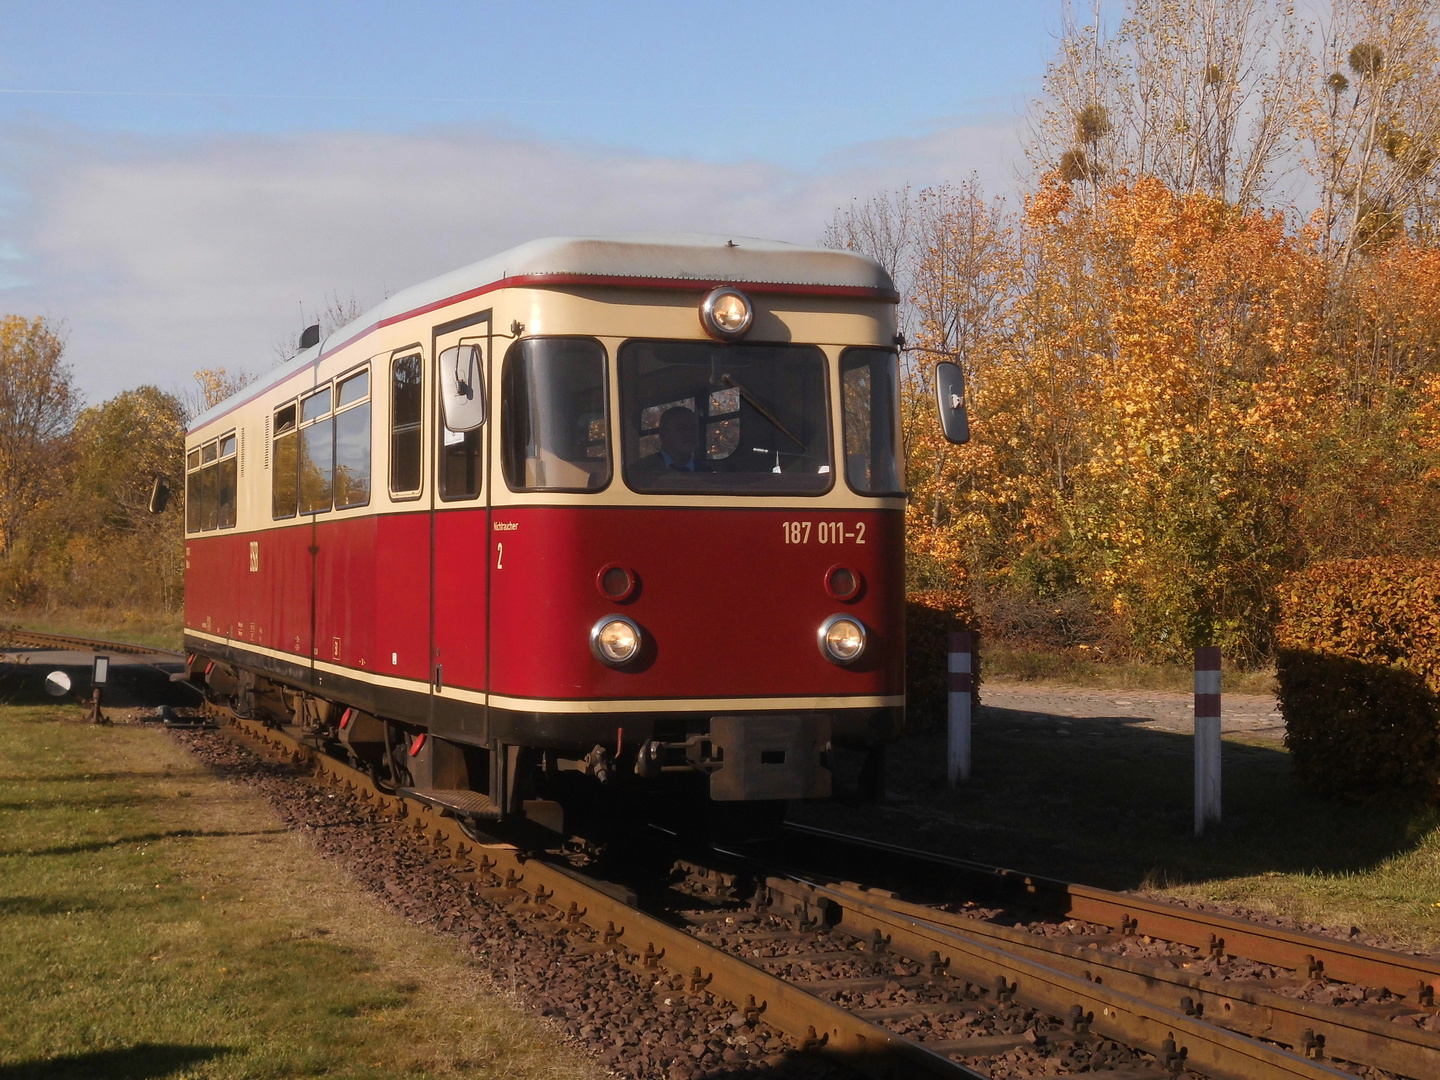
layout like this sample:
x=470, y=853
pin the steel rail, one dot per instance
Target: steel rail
x=1415, y=978
x=1139, y=1021
x=563, y=898
x=14, y=635
x=1349, y=1034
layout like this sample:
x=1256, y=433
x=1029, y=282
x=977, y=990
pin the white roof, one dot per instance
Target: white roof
x=661, y=256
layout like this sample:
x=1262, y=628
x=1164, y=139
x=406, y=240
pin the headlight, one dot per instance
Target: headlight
x=615, y=641
x=726, y=314
x=842, y=639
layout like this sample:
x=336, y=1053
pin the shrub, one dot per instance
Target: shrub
x=1359, y=673
x=929, y=618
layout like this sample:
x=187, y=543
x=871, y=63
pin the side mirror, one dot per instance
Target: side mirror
x=462, y=393
x=159, y=496
x=950, y=402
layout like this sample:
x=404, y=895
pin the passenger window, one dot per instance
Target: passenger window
x=194, y=492
x=405, y=409
x=555, y=415
x=228, y=496
x=352, y=441
x=317, y=441
x=285, y=458
x=209, y=485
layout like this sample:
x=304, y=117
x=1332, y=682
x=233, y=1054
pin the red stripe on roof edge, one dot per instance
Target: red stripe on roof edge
x=606, y=281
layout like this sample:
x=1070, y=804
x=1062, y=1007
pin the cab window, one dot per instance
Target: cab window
x=459, y=451
x=555, y=416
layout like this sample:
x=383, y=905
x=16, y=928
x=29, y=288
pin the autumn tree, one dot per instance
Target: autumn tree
x=1201, y=95
x=1373, y=125
x=38, y=404
x=214, y=385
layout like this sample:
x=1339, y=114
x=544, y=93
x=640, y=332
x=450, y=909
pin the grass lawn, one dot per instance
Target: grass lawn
x=156, y=922
x=1111, y=804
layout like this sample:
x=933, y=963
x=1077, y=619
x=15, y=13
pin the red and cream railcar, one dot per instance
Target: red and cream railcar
x=625, y=509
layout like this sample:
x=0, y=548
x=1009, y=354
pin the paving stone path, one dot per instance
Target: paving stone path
x=1254, y=715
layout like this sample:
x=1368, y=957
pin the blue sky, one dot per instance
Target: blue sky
x=182, y=168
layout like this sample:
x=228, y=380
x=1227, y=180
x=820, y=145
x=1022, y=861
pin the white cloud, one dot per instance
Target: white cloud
x=163, y=256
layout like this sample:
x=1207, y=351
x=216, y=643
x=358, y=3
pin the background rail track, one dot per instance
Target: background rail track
x=1416, y=978
x=15, y=636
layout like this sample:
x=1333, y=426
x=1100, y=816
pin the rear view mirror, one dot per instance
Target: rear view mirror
x=159, y=496
x=462, y=392
x=950, y=402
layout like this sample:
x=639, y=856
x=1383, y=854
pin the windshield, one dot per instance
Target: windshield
x=705, y=418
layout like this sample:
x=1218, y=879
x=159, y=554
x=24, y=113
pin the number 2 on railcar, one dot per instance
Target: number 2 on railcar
x=593, y=519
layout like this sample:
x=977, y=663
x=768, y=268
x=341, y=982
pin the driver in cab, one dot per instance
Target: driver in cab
x=679, y=445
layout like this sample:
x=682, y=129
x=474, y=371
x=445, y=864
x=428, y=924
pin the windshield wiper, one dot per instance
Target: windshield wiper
x=763, y=411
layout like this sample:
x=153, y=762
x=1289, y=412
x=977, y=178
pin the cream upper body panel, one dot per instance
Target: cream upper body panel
x=840, y=300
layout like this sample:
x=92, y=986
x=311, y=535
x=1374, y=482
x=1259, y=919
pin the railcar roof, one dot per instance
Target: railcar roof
x=670, y=257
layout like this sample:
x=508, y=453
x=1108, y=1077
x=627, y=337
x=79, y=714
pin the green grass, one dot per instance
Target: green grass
x=159, y=629
x=1110, y=804
x=1077, y=667
x=155, y=922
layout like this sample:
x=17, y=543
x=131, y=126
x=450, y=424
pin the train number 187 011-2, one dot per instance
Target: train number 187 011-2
x=824, y=532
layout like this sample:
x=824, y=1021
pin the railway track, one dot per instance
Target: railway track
x=1372, y=1028
x=12, y=636
x=811, y=958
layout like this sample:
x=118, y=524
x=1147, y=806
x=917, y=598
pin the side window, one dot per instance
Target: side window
x=193, y=493
x=228, y=495
x=352, y=440
x=555, y=415
x=870, y=396
x=285, y=463
x=317, y=445
x=405, y=412
x=209, y=485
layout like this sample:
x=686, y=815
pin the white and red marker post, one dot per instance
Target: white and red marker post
x=1207, y=737
x=961, y=679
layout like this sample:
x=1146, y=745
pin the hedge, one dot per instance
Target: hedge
x=1359, y=671
x=929, y=619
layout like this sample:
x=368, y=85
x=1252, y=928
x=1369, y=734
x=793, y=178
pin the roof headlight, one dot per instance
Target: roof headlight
x=726, y=314
x=615, y=641
x=842, y=639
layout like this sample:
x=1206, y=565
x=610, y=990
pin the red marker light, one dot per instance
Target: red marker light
x=417, y=744
x=345, y=718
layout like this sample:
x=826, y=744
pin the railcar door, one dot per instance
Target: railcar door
x=460, y=527
x=401, y=593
